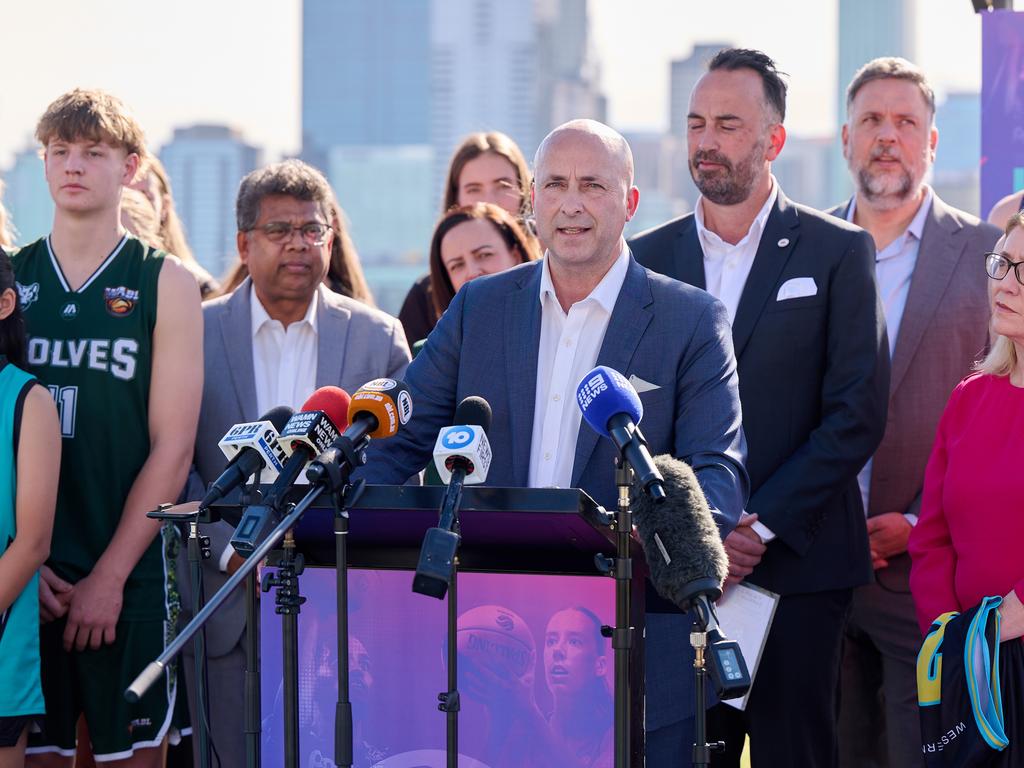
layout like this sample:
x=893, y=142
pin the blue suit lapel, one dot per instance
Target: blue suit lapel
x=522, y=342
x=772, y=254
x=626, y=327
x=236, y=337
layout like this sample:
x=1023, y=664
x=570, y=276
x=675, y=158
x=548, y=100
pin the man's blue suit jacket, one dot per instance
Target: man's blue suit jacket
x=661, y=330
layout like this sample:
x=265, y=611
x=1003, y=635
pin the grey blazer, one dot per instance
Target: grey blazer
x=355, y=343
x=944, y=330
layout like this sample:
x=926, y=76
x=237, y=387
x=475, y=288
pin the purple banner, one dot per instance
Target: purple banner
x=535, y=674
x=1002, y=106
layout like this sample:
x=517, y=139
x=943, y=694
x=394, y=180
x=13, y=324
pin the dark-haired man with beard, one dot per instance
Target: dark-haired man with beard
x=807, y=326
x=933, y=290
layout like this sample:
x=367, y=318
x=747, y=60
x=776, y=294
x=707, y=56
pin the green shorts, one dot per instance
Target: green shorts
x=93, y=683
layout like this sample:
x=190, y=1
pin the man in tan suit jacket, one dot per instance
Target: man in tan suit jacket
x=931, y=277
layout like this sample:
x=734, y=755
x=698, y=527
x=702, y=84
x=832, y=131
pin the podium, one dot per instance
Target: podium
x=535, y=671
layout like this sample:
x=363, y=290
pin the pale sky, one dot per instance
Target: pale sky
x=237, y=61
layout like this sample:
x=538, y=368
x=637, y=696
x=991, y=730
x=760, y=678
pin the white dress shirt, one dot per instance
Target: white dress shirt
x=283, y=364
x=726, y=269
x=283, y=359
x=569, y=346
x=727, y=266
x=894, y=268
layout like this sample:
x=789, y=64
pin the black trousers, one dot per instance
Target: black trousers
x=792, y=713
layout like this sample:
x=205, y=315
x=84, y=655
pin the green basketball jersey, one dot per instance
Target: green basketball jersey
x=20, y=687
x=93, y=348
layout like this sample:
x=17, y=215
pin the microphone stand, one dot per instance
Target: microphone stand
x=145, y=680
x=703, y=592
x=253, y=718
x=288, y=604
x=621, y=568
x=437, y=573
x=331, y=471
x=449, y=701
x=198, y=550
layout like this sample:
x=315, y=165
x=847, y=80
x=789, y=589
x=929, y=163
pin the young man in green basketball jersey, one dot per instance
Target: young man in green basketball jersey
x=115, y=332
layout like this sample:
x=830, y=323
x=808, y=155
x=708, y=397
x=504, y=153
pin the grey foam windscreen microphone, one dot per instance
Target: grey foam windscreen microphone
x=684, y=549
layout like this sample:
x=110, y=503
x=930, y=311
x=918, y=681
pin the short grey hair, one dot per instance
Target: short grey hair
x=891, y=68
x=293, y=178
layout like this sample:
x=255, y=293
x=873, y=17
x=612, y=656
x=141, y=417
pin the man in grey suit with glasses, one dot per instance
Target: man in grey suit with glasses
x=274, y=340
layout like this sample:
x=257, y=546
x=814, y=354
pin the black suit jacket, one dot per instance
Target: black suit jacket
x=814, y=382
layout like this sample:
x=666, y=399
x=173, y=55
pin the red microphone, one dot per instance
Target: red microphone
x=306, y=434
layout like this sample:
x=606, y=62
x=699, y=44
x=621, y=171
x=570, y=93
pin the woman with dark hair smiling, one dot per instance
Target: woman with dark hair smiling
x=479, y=239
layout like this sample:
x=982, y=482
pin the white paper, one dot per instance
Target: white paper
x=745, y=615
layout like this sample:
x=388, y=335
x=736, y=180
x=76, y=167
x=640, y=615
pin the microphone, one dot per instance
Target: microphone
x=462, y=455
x=306, y=434
x=251, y=447
x=464, y=448
x=377, y=409
x=687, y=563
x=684, y=550
x=613, y=409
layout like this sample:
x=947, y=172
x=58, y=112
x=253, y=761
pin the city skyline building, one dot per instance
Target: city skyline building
x=27, y=197
x=387, y=194
x=957, y=172
x=569, y=72
x=206, y=163
x=483, y=75
x=365, y=79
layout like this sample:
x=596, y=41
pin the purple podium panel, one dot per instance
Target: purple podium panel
x=535, y=673
x=1002, y=106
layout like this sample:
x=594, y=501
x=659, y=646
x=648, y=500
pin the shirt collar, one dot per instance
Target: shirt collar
x=261, y=318
x=605, y=293
x=756, y=226
x=916, y=226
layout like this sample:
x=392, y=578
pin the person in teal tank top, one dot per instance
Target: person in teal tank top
x=27, y=496
x=115, y=333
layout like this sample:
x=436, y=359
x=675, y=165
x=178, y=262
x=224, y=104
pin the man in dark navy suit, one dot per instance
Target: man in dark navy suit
x=810, y=343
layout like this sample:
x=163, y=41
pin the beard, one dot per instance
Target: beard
x=732, y=185
x=888, y=190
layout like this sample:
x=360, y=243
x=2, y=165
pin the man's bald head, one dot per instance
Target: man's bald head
x=583, y=129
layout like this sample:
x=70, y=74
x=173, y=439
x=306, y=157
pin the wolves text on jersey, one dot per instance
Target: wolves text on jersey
x=115, y=356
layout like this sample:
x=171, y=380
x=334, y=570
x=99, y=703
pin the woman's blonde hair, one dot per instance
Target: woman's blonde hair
x=1002, y=357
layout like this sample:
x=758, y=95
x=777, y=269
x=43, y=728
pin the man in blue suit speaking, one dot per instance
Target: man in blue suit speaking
x=523, y=339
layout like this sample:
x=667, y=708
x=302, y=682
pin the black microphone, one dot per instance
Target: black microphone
x=251, y=447
x=688, y=564
x=463, y=454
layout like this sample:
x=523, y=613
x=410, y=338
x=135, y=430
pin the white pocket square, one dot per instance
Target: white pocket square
x=640, y=385
x=797, y=287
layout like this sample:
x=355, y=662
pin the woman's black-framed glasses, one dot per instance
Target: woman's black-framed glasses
x=997, y=265
x=312, y=232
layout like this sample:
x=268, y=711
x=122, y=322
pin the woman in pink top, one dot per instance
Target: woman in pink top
x=969, y=540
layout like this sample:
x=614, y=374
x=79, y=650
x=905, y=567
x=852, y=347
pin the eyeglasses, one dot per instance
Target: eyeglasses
x=997, y=265
x=313, y=232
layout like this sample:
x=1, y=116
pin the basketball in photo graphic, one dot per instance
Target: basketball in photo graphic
x=496, y=638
